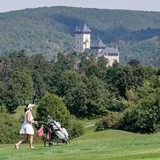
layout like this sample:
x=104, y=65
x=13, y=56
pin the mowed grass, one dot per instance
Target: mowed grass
x=104, y=145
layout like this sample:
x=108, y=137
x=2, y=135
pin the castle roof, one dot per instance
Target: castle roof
x=111, y=51
x=84, y=29
x=97, y=44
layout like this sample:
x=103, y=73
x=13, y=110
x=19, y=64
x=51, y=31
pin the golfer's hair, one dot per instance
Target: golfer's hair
x=25, y=109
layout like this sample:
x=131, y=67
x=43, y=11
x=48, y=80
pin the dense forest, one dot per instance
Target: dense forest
x=38, y=65
x=50, y=30
x=126, y=96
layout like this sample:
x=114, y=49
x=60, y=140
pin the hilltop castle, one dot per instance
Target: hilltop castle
x=83, y=41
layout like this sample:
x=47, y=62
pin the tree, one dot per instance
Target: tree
x=134, y=62
x=53, y=106
x=143, y=115
x=39, y=86
x=64, y=62
x=102, y=62
x=20, y=89
x=97, y=97
x=68, y=80
x=5, y=69
x=123, y=78
x=76, y=100
x=84, y=63
x=2, y=92
x=18, y=59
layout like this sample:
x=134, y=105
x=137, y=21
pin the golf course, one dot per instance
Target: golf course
x=103, y=145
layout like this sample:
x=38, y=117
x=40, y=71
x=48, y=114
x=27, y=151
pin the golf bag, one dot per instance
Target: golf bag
x=54, y=130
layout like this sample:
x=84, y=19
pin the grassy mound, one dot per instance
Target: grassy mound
x=109, y=144
x=104, y=145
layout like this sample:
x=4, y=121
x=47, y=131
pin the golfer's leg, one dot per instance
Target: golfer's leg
x=23, y=140
x=31, y=141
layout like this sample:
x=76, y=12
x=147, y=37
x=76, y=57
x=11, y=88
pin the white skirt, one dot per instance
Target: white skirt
x=27, y=129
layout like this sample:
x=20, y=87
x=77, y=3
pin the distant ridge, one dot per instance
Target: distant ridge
x=49, y=30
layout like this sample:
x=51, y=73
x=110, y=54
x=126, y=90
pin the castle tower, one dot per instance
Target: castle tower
x=82, y=38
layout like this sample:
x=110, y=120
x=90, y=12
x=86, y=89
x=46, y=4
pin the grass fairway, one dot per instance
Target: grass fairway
x=105, y=145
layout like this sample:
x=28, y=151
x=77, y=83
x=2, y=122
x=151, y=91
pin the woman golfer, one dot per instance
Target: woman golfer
x=27, y=129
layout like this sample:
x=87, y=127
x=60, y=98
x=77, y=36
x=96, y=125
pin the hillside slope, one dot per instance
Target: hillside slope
x=51, y=30
x=110, y=145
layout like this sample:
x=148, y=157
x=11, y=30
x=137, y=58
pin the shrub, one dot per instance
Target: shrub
x=9, y=129
x=3, y=109
x=76, y=129
x=143, y=118
x=109, y=121
x=53, y=106
x=128, y=121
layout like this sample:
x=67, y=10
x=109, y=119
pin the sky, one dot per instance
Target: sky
x=143, y=5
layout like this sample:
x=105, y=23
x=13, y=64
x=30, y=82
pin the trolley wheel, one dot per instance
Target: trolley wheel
x=47, y=143
x=50, y=143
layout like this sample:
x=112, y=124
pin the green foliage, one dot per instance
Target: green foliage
x=97, y=97
x=22, y=85
x=108, y=122
x=20, y=89
x=84, y=97
x=87, y=89
x=2, y=91
x=126, y=77
x=34, y=30
x=144, y=116
x=68, y=80
x=52, y=105
x=3, y=109
x=141, y=112
x=64, y=62
x=9, y=129
x=76, y=99
x=76, y=129
x=39, y=70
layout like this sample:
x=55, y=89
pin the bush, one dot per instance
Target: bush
x=3, y=109
x=109, y=121
x=128, y=121
x=76, y=129
x=9, y=129
x=52, y=105
x=143, y=118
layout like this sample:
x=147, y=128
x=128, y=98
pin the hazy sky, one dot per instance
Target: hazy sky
x=146, y=5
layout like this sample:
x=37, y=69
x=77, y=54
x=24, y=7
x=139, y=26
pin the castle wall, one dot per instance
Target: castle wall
x=112, y=59
x=82, y=41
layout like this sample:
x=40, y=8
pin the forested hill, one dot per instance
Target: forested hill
x=51, y=30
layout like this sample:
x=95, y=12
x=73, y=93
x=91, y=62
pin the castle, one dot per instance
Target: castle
x=97, y=47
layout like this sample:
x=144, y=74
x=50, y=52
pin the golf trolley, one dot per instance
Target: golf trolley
x=54, y=131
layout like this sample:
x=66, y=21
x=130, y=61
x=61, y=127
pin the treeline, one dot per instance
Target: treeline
x=127, y=94
x=50, y=30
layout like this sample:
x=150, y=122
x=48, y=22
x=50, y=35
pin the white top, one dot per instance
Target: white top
x=27, y=127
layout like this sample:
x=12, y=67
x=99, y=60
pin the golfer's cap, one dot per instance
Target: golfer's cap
x=30, y=105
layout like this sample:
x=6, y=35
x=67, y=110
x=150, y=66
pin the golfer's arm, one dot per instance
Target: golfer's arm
x=28, y=118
